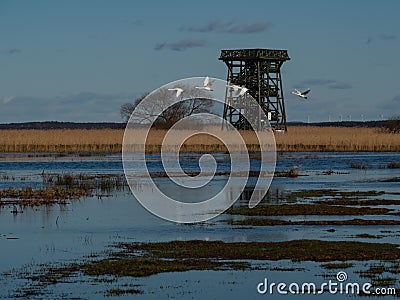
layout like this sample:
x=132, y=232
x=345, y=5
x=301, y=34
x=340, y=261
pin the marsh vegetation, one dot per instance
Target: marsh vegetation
x=297, y=139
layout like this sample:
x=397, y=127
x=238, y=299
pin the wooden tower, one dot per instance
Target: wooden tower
x=258, y=70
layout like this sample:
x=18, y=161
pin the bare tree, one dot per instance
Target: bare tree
x=126, y=109
x=159, y=109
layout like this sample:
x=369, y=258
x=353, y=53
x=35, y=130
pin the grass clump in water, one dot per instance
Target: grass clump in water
x=349, y=201
x=394, y=179
x=58, y=188
x=359, y=165
x=335, y=266
x=142, y=266
x=394, y=165
x=367, y=236
x=274, y=222
x=120, y=265
x=292, y=173
x=305, y=209
x=121, y=292
x=309, y=194
x=28, y=196
x=296, y=250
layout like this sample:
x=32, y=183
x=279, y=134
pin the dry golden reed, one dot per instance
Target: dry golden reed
x=298, y=138
x=313, y=138
x=61, y=140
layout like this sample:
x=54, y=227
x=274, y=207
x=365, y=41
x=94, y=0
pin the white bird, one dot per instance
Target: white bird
x=206, y=85
x=236, y=89
x=301, y=94
x=179, y=91
x=8, y=99
x=243, y=91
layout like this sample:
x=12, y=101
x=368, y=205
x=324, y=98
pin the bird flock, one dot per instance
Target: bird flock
x=207, y=86
x=239, y=90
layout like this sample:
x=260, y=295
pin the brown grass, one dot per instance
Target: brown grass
x=306, y=209
x=298, y=138
x=295, y=250
x=351, y=222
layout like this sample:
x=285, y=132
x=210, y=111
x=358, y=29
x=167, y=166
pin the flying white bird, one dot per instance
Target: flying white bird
x=301, y=94
x=8, y=99
x=206, y=85
x=179, y=91
x=236, y=89
x=279, y=130
x=243, y=91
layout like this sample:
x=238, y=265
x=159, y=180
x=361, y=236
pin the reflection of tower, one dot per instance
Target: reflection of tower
x=259, y=70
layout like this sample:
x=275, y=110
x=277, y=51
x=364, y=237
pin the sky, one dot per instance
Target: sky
x=80, y=60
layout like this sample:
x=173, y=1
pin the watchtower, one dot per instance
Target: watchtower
x=258, y=70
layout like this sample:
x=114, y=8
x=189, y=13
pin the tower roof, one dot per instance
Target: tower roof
x=254, y=54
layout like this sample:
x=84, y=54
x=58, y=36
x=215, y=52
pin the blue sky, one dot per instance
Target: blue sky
x=80, y=60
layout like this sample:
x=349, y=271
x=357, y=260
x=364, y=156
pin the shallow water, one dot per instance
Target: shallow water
x=70, y=232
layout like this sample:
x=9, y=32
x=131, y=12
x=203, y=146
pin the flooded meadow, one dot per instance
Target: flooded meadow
x=70, y=228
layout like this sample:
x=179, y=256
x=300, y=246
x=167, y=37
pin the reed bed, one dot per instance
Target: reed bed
x=337, y=139
x=297, y=139
x=60, y=140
